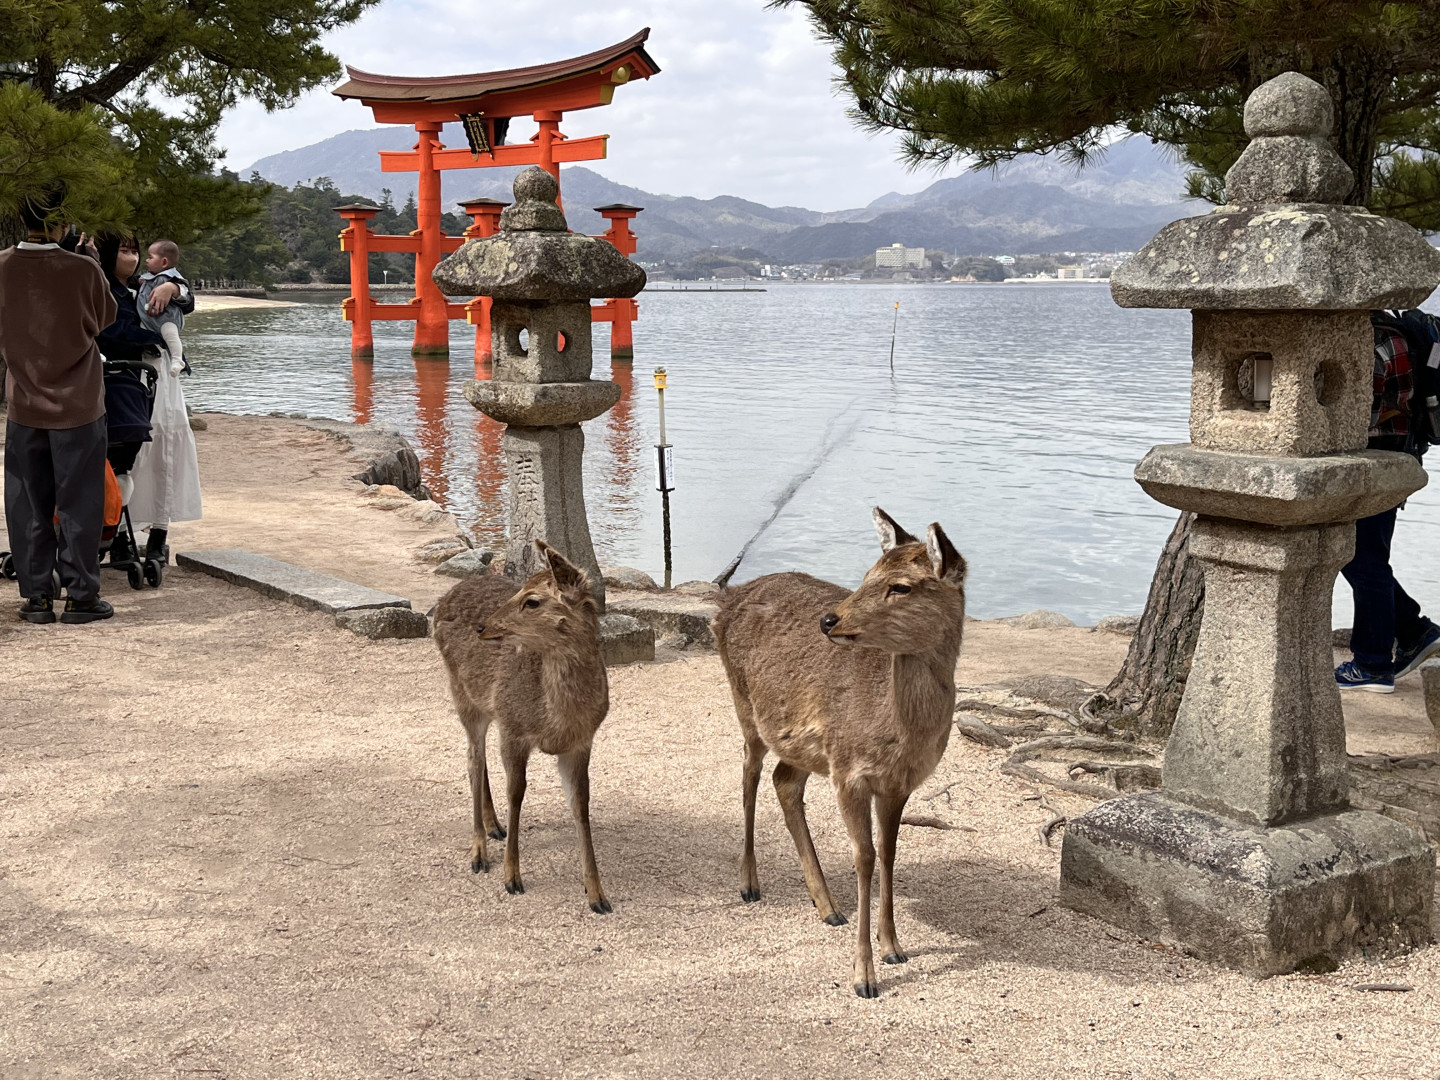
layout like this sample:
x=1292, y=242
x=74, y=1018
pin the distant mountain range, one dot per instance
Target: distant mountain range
x=1033, y=205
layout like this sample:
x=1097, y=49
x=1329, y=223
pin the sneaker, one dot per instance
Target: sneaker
x=38, y=609
x=1351, y=676
x=83, y=611
x=1407, y=659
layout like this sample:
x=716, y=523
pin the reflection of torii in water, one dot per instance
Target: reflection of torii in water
x=484, y=103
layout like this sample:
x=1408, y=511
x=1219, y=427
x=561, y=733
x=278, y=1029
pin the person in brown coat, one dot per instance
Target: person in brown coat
x=52, y=305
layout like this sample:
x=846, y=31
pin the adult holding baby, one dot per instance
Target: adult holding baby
x=166, y=473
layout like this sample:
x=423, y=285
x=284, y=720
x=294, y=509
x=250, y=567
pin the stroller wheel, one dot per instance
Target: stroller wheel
x=7, y=566
x=154, y=572
x=134, y=576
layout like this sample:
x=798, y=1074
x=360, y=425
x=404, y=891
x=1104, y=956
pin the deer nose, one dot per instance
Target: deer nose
x=828, y=623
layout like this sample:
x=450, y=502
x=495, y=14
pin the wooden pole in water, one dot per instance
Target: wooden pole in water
x=893, y=325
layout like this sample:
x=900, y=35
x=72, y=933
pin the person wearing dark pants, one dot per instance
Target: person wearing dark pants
x=52, y=472
x=1390, y=637
x=53, y=303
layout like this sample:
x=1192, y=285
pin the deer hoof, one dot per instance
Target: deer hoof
x=515, y=887
x=479, y=866
x=497, y=833
x=601, y=906
x=895, y=958
x=836, y=919
x=750, y=895
x=867, y=989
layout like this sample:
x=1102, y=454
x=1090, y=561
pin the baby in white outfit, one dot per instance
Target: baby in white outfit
x=161, y=264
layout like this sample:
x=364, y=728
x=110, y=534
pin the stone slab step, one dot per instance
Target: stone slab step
x=624, y=640
x=286, y=581
x=669, y=613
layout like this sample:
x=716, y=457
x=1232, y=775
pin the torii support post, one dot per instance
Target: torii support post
x=432, y=324
x=355, y=238
x=484, y=217
x=619, y=312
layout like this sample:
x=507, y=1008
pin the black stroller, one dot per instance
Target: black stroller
x=129, y=400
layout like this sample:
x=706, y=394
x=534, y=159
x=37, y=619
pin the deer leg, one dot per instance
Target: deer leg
x=479, y=797
x=515, y=758
x=482, y=806
x=489, y=820
x=574, y=771
x=855, y=809
x=887, y=815
x=754, y=762
x=790, y=788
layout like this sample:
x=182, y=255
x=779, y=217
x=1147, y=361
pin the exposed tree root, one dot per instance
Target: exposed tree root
x=1016, y=765
x=1057, y=819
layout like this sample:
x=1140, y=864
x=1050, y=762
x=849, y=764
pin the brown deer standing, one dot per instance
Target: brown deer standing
x=527, y=660
x=875, y=719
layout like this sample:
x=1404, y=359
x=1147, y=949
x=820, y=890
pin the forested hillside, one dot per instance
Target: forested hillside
x=295, y=238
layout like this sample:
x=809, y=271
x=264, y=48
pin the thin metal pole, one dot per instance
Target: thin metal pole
x=664, y=477
x=893, y=326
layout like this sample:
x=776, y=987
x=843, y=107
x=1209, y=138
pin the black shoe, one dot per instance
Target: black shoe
x=83, y=611
x=38, y=609
x=156, y=548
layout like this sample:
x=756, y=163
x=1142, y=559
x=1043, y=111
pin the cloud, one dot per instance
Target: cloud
x=744, y=104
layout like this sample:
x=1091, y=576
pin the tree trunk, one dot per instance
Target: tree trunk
x=1358, y=89
x=1145, y=696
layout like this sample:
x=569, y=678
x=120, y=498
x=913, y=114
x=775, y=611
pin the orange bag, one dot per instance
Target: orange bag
x=114, y=503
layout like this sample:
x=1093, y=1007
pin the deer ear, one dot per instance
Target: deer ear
x=949, y=564
x=566, y=574
x=891, y=534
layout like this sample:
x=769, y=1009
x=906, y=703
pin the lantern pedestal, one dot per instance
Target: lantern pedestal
x=1265, y=901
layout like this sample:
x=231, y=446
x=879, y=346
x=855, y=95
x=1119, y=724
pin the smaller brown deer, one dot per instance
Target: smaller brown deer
x=527, y=660
x=875, y=718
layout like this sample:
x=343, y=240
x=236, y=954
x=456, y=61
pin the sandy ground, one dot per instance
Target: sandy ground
x=212, y=302
x=235, y=846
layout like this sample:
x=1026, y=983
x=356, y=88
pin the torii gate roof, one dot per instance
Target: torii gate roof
x=578, y=83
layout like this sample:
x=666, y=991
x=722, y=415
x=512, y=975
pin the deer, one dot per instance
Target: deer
x=858, y=686
x=528, y=660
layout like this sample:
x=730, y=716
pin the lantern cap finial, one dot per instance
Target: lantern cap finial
x=1289, y=159
x=534, y=208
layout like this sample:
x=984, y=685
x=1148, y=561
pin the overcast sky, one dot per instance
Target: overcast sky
x=744, y=103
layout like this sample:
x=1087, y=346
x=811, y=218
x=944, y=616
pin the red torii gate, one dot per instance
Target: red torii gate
x=484, y=103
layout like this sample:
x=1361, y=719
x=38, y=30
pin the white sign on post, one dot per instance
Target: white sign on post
x=665, y=468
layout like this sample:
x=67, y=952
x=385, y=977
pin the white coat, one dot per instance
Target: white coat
x=166, y=472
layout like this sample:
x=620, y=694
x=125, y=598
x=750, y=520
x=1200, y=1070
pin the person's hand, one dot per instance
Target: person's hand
x=86, y=246
x=162, y=295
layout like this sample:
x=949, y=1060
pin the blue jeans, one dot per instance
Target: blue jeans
x=1384, y=613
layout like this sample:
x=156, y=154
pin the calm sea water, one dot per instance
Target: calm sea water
x=1014, y=418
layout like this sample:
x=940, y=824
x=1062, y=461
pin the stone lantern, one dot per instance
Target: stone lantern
x=1249, y=854
x=541, y=278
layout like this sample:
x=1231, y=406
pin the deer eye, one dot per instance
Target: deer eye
x=899, y=589
x=532, y=603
